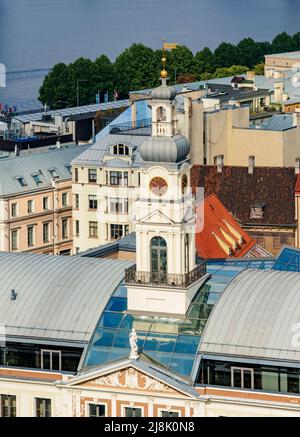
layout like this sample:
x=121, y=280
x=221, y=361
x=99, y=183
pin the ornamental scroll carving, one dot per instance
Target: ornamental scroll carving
x=132, y=381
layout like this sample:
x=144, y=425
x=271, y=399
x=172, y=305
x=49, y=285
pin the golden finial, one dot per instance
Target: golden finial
x=164, y=73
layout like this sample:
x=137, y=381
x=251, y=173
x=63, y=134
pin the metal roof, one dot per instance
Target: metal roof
x=255, y=317
x=288, y=55
x=278, y=122
x=37, y=163
x=58, y=298
x=75, y=111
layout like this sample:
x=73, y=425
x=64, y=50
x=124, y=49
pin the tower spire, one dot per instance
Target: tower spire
x=164, y=73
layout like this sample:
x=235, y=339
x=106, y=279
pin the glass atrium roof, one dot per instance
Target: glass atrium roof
x=171, y=342
x=288, y=260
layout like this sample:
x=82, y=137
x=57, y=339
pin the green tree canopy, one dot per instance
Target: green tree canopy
x=249, y=52
x=282, y=43
x=135, y=69
x=226, y=55
x=204, y=62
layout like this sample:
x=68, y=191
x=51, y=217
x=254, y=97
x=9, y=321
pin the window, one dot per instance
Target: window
x=121, y=149
x=77, y=250
x=50, y=359
x=30, y=206
x=43, y=407
x=93, y=203
x=76, y=201
x=69, y=168
x=261, y=241
x=93, y=229
x=14, y=239
x=118, y=178
x=96, y=410
x=92, y=175
x=276, y=243
x=158, y=256
x=45, y=203
x=165, y=413
x=64, y=200
x=21, y=181
x=133, y=412
x=117, y=205
x=257, y=211
x=46, y=232
x=118, y=231
x=14, y=209
x=8, y=406
x=37, y=178
x=242, y=377
x=77, y=228
x=64, y=231
x=30, y=236
x=76, y=174
x=53, y=173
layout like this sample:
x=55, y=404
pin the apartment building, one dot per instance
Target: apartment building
x=36, y=201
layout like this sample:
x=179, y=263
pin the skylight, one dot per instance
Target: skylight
x=37, y=178
x=53, y=172
x=21, y=181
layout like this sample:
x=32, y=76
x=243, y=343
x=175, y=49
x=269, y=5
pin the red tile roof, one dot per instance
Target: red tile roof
x=222, y=236
x=297, y=189
x=239, y=191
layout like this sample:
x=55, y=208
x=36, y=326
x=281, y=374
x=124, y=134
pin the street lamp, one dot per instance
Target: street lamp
x=78, y=81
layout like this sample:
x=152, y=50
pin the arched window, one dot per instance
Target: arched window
x=161, y=113
x=158, y=258
x=121, y=149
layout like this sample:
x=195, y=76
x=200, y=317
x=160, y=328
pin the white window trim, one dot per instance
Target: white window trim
x=100, y=402
x=34, y=406
x=242, y=369
x=172, y=410
x=51, y=351
x=123, y=414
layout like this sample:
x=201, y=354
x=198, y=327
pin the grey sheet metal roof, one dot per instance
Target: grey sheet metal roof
x=127, y=244
x=58, y=298
x=75, y=111
x=95, y=154
x=278, y=122
x=25, y=166
x=255, y=317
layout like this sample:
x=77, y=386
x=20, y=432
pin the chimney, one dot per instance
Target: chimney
x=251, y=164
x=220, y=163
x=250, y=75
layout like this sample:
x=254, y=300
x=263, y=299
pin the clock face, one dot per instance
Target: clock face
x=184, y=183
x=158, y=186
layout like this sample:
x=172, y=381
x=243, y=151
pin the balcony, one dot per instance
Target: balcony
x=138, y=127
x=134, y=277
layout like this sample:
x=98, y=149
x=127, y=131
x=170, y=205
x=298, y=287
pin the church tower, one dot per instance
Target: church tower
x=165, y=278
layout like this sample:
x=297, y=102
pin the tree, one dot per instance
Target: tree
x=259, y=69
x=234, y=70
x=249, y=52
x=103, y=76
x=135, y=68
x=179, y=61
x=225, y=55
x=296, y=41
x=57, y=87
x=282, y=43
x=186, y=78
x=204, y=62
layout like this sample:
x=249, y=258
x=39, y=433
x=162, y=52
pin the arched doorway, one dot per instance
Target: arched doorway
x=158, y=259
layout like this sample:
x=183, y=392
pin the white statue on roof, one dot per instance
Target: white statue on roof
x=134, y=354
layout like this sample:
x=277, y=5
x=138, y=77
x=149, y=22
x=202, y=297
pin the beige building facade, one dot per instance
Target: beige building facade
x=36, y=202
x=281, y=62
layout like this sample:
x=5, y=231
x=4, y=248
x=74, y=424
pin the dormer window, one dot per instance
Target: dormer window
x=120, y=149
x=21, y=181
x=257, y=211
x=53, y=173
x=37, y=178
